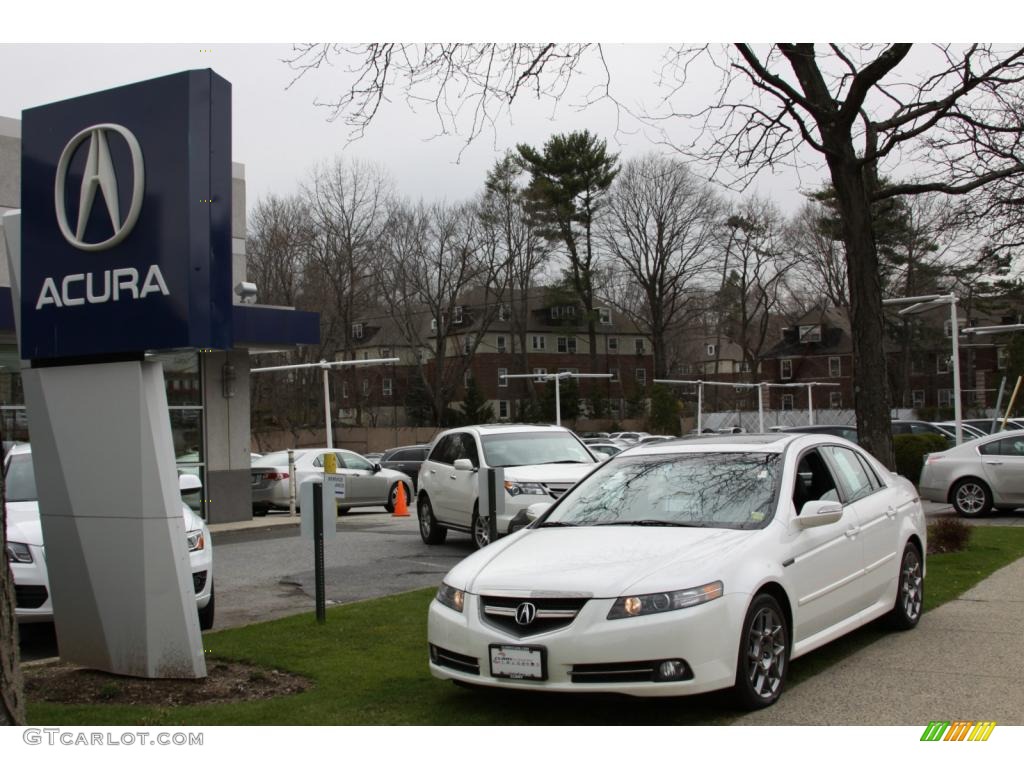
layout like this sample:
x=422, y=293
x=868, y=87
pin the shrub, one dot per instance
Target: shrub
x=948, y=534
x=910, y=452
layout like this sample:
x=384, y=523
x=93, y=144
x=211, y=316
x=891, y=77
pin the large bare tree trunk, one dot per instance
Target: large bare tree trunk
x=12, y=685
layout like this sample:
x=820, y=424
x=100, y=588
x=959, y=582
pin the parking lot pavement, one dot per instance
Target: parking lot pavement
x=934, y=511
x=962, y=662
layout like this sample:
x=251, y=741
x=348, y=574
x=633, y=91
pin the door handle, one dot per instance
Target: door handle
x=890, y=513
x=993, y=463
x=852, y=533
x=453, y=477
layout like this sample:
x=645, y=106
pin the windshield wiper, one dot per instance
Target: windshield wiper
x=565, y=461
x=661, y=523
x=557, y=524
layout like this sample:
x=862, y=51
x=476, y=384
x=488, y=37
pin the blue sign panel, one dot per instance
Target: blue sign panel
x=126, y=220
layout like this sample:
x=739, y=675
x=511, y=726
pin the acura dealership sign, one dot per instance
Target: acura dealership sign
x=126, y=220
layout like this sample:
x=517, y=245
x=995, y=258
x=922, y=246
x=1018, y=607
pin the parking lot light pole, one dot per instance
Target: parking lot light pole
x=557, y=377
x=735, y=384
x=920, y=304
x=326, y=366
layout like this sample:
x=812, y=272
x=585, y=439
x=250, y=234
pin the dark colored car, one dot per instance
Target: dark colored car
x=406, y=459
x=848, y=433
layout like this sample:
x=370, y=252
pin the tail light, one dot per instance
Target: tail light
x=276, y=475
x=931, y=458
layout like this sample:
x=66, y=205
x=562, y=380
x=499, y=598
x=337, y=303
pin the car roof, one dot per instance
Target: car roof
x=494, y=429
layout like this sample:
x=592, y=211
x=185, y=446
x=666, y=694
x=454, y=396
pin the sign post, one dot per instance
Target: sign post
x=319, y=521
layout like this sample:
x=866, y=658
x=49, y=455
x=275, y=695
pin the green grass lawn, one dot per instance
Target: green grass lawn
x=369, y=665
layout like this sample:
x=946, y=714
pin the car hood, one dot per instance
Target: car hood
x=23, y=522
x=548, y=473
x=601, y=561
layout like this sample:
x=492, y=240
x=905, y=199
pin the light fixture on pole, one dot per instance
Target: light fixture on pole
x=326, y=366
x=920, y=304
x=557, y=377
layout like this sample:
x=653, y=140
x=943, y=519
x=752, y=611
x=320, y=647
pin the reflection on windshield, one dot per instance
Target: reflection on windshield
x=20, y=480
x=522, y=448
x=719, y=490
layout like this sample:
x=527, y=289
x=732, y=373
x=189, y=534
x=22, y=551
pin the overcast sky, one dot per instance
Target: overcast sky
x=280, y=134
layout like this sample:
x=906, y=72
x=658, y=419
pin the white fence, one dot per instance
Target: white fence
x=748, y=420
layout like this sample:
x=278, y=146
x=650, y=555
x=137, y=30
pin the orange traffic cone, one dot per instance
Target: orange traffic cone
x=401, y=510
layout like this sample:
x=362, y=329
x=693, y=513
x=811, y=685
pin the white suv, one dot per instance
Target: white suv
x=541, y=463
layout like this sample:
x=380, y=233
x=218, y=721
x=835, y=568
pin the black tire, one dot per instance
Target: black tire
x=761, y=669
x=206, y=613
x=906, y=611
x=481, y=530
x=259, y=511
x=971, y=497
x=393, y=497
x=430, y=531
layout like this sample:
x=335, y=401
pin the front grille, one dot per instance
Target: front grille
x=551, y=613
x=442, y=657
x=199, y=581
x=555, y=490
x=620, y=672
x=29, y=596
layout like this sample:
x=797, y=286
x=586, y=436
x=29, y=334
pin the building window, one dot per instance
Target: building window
x=1002, y=357
x=787, y=402
x=567, y=344
x=947, y=327
x=540, y=373
x=556, y=312
x=433, y=323
x=613, y=345
x=467, y=343
x=712, y=349
x=641, y=375
x=945, y=398
x=685, y=368
x=835, y=367
x=385, y=352
x=605, y=315
x=615, y=374
x=638, y=346
x=835, y=400
x=503, y=312
x=538, y=344
x=503, y=409
x=917, y=398
x=503, y=377
x=744, y=366
x=357, y=330
x=809, y=333
x=366, y=386
x=344, y=389
x=387, y=388
x=500, y=344
x=457, y=315
x=786, y=369
x=941, y=364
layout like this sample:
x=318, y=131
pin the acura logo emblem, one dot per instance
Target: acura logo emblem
x=526, y=613
x=99, y=176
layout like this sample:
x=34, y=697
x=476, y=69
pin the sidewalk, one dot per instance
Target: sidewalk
x=963, y=661
x=256, y=523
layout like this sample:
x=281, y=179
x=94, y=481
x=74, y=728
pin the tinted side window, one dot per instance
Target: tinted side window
x=469, y=450
x=851, y=473
x=1008, y=446
x=443, y=451
x=876, y=482
x=399, y=456
x=814, y=481
x=354, y=461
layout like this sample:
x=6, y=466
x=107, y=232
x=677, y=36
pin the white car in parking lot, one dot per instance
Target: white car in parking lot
x=688, y=566
x=26, y=553
x=540, y=463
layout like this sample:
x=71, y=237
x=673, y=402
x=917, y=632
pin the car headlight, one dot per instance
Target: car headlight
x=451, y=597
x=533, y=489
x=659, y=602
x=196, y=540
x=18, y=552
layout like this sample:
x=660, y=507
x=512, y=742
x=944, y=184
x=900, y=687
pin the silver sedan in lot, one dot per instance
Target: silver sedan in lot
x=977, y=475
x=366, y=484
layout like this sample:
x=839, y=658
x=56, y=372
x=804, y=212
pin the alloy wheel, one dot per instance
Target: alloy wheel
x=766, y=653
x=971, y=499
x=911, y=586
x=481, y=532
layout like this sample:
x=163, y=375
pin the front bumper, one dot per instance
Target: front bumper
x=706, y=637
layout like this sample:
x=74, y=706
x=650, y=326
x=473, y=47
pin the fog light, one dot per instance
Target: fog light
x=673, y=669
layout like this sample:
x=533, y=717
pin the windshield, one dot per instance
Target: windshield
x=517, y=449
x=20, y=479
x=716, y=490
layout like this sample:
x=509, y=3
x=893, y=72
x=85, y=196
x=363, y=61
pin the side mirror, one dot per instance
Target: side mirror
x=536, y=510
x=815, y=513
x=376, y=468
x=187, y=483
x=465, y=465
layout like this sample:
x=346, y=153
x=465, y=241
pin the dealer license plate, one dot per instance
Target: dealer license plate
x=518, y=662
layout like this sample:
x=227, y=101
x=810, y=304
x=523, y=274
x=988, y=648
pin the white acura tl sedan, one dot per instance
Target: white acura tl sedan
x=688, y=566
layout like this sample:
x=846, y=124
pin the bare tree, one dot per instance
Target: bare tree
x=660, y=231
x=520, y=247
x=433, y=256
x=822, y=277
x=852, y=105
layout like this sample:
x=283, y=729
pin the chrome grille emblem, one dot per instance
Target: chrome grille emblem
x=525, y=614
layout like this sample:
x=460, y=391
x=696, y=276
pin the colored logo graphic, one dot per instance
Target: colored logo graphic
x=958, y=730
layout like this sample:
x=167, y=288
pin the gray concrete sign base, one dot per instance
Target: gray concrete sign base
x=112, y=519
